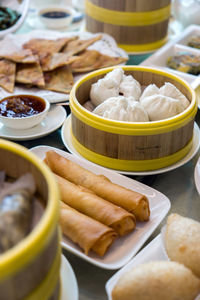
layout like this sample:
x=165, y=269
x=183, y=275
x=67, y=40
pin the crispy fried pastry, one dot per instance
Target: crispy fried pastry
x=91, y=60
x=7, y=75
x=51, y=61
x=78, y=46
x=89, y=234
x=39, y=46
x=59, y=80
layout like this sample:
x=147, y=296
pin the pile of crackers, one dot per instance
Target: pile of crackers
x=50, y=64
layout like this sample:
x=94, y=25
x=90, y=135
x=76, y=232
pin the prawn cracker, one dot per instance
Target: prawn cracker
x=30, y=74
x=78, y=45
x=7, y=75
x=39, y=46
x=59, y=80
x=51, y=61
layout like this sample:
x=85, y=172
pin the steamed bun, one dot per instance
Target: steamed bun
x=170, y=90
x=182, y=241
x=122, y=109
x=150, y=90
x=160, y=107
x=159, y=280
x=106, y=87
x=129, y=87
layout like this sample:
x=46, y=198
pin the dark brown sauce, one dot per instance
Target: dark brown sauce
x=21, y=106
x=55, y=14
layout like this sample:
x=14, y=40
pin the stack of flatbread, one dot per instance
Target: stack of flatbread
x=50, y=64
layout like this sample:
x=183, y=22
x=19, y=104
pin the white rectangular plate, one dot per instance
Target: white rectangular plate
x=124, y=248
x=154, y=251
x=159, y=58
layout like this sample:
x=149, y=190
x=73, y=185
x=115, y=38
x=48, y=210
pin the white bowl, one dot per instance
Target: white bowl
x=25, y=122
x=23, y=9
x=52, y=21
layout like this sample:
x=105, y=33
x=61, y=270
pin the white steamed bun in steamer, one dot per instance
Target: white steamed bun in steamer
x=160, y=107
x=162, y=103
x=170, y=90
x=157, y=280
x=114, y=84
x=129, y=87
x=122, y=109
x=150, y=90
x=106, y=87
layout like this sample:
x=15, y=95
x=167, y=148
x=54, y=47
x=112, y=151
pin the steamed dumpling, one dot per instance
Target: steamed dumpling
x=160, y=107
x=182, y=241
x=170, y=90
x=106, y=87
x=150, y=90
x=130, y=87
x=159, y=280
x=122, y=109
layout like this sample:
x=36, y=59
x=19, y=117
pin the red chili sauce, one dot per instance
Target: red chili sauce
x=21, y=106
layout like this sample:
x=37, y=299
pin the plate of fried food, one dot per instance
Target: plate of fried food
x=105, y=217
x=166, y=269
x=47, y=63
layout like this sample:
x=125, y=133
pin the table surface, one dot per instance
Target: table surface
x=178, y=185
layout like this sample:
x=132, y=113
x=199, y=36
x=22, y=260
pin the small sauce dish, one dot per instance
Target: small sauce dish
x=23, y=111
x=55, y=17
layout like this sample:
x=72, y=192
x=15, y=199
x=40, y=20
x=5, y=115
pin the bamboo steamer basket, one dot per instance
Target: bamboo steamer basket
x=129, y=146
x=31, y=269
x=136, y=25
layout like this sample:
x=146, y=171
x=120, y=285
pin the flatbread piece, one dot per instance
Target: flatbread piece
x=51, y=61
x=91, y=60
x=39, y=46
x=24, y=56
x=59, y=80
x=30, y=74
x=7, y=75
x=78, y=45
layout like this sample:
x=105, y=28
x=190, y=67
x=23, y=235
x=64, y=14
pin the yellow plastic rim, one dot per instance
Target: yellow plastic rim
x=19, y=256
x=45, y=290
x=144, y=47
x=129, y=128
x=115, y=17
x=130, y=165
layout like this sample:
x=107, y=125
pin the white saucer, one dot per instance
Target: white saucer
x=54, y=119
x=67, y=141
x=68, y=281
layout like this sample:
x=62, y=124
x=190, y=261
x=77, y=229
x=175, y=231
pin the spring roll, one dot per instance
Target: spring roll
x=132, y=201
x=95, y=207
x=89, y=234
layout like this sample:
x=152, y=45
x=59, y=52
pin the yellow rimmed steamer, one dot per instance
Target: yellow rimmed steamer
x=31, y=269
x=136, y=25
x=130, y=146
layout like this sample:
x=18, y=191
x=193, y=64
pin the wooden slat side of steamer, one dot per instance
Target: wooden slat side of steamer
x=136, y=25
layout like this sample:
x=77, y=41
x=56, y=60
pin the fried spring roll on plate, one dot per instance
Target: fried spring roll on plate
x=132, y=201
x=95, y=207
x=89, y=234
